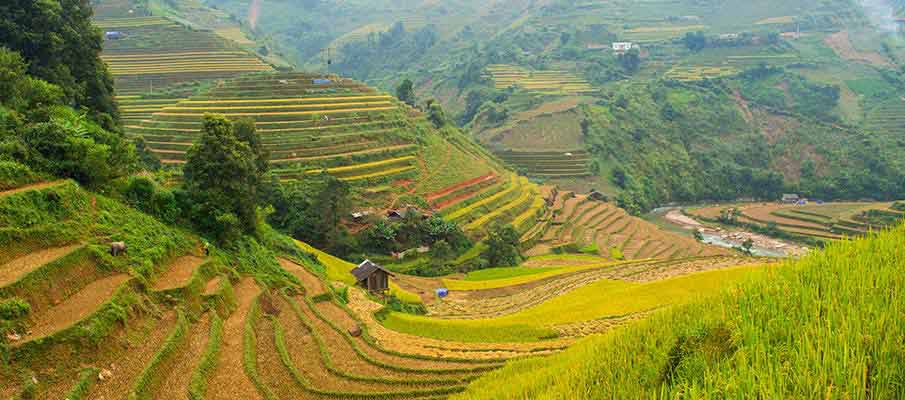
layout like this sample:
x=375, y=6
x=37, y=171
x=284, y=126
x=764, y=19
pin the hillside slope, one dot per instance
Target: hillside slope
x=828, y=326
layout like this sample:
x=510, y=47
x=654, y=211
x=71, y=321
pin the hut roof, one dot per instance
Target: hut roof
x=366, y=269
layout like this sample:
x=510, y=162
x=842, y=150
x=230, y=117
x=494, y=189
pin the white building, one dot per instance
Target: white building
x=622, y=47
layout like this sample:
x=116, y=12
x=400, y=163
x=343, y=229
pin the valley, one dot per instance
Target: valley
x=318, y=199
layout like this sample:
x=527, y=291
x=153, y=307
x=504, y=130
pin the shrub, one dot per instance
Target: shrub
x=14, y=308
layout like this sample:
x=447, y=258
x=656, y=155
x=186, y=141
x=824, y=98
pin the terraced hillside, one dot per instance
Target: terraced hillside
x=579, y=223
x=545, y=82
x=888, y=117
x=816, y=221
x=490, y=201
x=310, y=123
x=549, y=164
x=150, y=54
x=92, y=330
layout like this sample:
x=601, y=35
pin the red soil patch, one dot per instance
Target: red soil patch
x=471, y=182
x=179, y=273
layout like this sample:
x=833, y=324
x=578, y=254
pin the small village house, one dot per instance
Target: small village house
x=622, y=47
x=790, y=198
x=372, y=277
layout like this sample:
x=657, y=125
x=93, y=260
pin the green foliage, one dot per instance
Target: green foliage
x=87, y=379
x=415, y=230
x=38, y=130
x=223, y=178
x=13, y=309
x=60, y=45
x=312, y=208
x=695, y=41
x=13, y=175
x=899, y=206
x=502, y=247
x=146, y=195
x=405, y=92
x=630, y=60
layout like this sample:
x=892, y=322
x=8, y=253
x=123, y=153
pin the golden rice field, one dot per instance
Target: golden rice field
x=698, y=73
x=548, y=82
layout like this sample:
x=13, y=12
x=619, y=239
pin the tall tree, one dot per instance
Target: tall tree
x=61, y=46
x=502, y=247
x=406, y=92
x=223, y=177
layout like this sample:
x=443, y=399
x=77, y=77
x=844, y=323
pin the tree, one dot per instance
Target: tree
x=406, y=92
x=61, y=46
x=502, y=247
x=630, y=60
x=695, y=41
x=435, y=114
x=223, y=179
x=248, y=133
x=748, y=246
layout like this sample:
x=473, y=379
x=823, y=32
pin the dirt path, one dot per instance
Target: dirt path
x=126, y=369
x=313, y=285
x=175, y=383
x=18, y=268
x=210, y=288
x=78, y=306
x=178, y=274
x=842, y=45
x=27, y=188
x=228, y=381
x=271, y=369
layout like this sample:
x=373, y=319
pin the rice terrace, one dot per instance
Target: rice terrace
x=509, y=199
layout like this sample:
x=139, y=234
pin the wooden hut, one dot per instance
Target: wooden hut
x=372, y=277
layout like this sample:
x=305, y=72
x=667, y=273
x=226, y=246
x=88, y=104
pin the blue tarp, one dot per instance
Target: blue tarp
x=114, y=35
x=321, y=81
x=443, y=292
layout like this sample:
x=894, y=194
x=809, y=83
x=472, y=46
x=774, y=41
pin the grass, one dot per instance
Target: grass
x=512, y=278
x=506, y=273
x=338, y=269
x=828, y=326
x=603, y=299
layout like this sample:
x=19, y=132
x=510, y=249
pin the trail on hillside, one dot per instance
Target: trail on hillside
x=229, y=381
x=22, y=266
x=27, y=188
x=77, y=307
x=178, y=273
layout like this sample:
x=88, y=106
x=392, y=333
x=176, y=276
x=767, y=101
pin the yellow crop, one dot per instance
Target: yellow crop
x=366, y=165
x=290, y=100
x=377, y=174
x=523, y=198
x=294, y=106
x=514, y=184
x=285, y=113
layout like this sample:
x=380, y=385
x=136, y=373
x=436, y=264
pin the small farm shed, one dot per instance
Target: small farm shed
x=597, y=196
x=373, y=277
x=790, y=198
